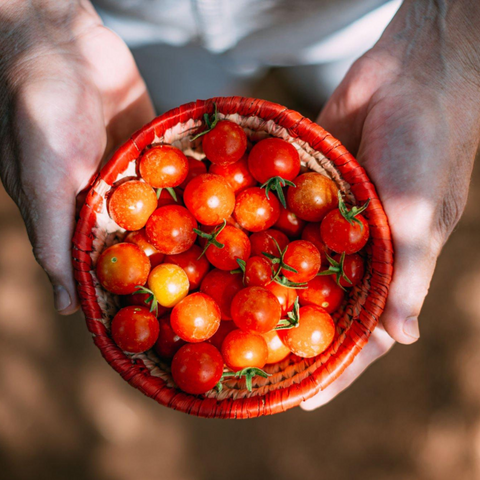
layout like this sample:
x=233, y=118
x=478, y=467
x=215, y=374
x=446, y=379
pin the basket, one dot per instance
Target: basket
x=294, y=379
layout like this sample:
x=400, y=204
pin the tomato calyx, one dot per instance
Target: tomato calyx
x=351, y=215
x=210, y=123
x=275, y=184
x=292, y=320
x=337, y=269
x=242, y=266
x=211, y=238
x=150, y=298
x=170, y=190
x=248, y=373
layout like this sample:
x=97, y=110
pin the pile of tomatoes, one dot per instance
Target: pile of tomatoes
x=229, y=263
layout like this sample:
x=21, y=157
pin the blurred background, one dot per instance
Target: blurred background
x=64, y=413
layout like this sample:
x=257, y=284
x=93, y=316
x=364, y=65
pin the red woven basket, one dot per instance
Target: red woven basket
x=294, y=379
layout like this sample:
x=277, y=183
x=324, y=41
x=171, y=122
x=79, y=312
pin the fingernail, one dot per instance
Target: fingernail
x=61, y=298
x=410, y=328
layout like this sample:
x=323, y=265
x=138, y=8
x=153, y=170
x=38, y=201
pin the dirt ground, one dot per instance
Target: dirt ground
x=64, y=413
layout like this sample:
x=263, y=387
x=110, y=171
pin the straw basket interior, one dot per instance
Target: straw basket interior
x=292, y=380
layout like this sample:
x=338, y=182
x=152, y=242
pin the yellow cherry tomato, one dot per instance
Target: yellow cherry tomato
x=169, y=283
x=277, y=351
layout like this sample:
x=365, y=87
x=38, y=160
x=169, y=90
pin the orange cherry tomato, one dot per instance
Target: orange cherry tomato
x=285, y=296
x=196, y=268
x=236, y=174
x=304, y=257
x=243, y=349
x=169, y=283
x=277, y=351
x=163, y=166
x=235, y=245
x=225, y=143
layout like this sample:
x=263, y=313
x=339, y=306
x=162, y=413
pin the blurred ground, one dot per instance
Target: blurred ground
x=64, y=413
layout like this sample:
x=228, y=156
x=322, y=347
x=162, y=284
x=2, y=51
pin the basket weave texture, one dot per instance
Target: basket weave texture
x=294, y=379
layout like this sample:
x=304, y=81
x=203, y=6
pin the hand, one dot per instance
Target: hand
x=409, y=111
x=72, y=93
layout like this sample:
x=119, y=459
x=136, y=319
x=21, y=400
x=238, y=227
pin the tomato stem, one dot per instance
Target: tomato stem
x=211, y=124
x=211, y=237
x=282, y=265
x=248, y=373
x=276, y=184
x=350, y=215
x=292, y=320
x=337, y=269
x=150, y=298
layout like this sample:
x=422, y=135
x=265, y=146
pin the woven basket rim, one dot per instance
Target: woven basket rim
x=302, y=129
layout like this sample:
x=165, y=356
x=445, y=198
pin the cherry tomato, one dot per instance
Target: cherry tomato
x=304, y=257
x=222, y=286
x=196, y=268
x=277, y=351
x=135, y=329
x=314, y=334
x=225, y=143
x=285, y=296
x=170, y=229
x=197, y=368
x=313, y=196
x=131, y=204
x=258, y=272
x=353, y=268
x=141, y=300
x=254, y=211
x=289, y=223
x=235, y=245
x=243, y=349
x=274, y=157
x=311, y=233
x=166, y=198
x=210, y=199
x=195, y=168
x=169, y=283
x=237, y=174
x=341, y=236
x=139, y=238
x=195, y=318
x=163, y=166
x=223, y=330
x=121, y=267
x=323, y=292
x=264, y=242
x=256, y=310
x=168, y=342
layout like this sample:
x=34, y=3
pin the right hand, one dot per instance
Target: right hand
x=71, y=93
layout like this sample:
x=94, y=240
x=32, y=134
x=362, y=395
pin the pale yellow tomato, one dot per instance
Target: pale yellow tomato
x=276, y=349
x=169, y=283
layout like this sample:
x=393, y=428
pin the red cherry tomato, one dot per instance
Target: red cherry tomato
x=163, y=166
x=235, y=245
x=289, y=223
x=135, y=329
x=311, y=233
x=314, y=334
x=131, y=203
x=196, y=318
x=254, y=211
x=277, y=351
x=304, y=257
x=141, y=300
x=197, y=368
x=121, y=267
x=243, y=349
x=222, y=286
x=256, y=310
x=274, y=157
x=353, y=268
x=139, y=238
x=196, y=268
x=258, y=272
x=323, y=292
x=210, y=199
x=341, y=236
x=168, y=342
x=170, y=229
x=237, y=174
x=195, y=168
x=225, y=143
x=285, y=296
x=264, y=242
x=313, y=196
x=224, y=329
x=166, y=198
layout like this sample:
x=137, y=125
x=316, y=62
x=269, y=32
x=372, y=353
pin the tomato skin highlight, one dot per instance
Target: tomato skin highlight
x=314, y=334
x=222, y=286
x=256, y=310
x=243, y=349
x=277, y=351
x=313, y=196
x=254, y=211
x=195, y=168
x=311, y=233
x=209, y=198
x=196, y=268
x=285, y=296
x=140, y=239
x=323, y=292
x=163, y=166
x=135, y=329
x=304, y=257
x=170, y=229
x=169, y=283
x=341, y=236
x=265, y=242
x=236, y=245
x=273, y=157
x=289, y=223
x=236, y=174
x=121, y=267
x=226, y=143
x=168, y=342
x=258, y=272
x=197, y=368
x=131, y=204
